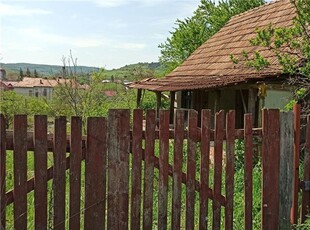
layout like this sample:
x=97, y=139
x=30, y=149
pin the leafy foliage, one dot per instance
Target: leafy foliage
x=192, y=32
x=12, y=104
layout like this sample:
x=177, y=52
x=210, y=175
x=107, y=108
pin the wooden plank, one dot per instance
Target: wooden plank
x=2, y=170
x=20, y=172
x=294, y=209
x=230, y=169
x=40, y=170
x=172, y=100
x=257, y=132
x=75, y=172
x=305, y=204
x=204, y=168
x=118, y=168
x=286, y=168
x=149, y=170
x=248, y=172
x=218, y=157
x=59, y=173
x=136, y=169
x=95, y=177
x=270, y=168
x=177, y=169
x=163, y=168
x=191, y=168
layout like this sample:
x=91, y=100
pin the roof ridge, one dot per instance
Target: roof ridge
x=258, y=7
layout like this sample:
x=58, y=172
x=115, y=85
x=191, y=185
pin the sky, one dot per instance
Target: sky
x=100, y=33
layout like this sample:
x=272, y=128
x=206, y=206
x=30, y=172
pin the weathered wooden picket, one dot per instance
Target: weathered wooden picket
x=119, y=192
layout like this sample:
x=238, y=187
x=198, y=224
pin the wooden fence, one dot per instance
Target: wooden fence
x=118, y=182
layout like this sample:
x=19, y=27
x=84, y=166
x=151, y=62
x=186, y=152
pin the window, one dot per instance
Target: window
x=30, y=93
x=44, y=92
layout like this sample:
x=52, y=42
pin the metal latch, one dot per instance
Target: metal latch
x=305, y=185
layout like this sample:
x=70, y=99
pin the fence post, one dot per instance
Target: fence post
x=286, y=168
x=2, y=169
x=95, y=173
x=59, y=172
x=20, y=172
x=306, y=194
x=40, y=162
x=294, y=211
x=270, y=168
x=118, y=168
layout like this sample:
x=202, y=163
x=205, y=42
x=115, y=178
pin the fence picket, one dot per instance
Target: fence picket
x=136, y=168
x=248, y=172
x=108, y=147
x=230, y=169
x=20, y=172
x=286, y=168
x=204, y=168
x=149, y=170
x=40, y=163
x=177, y=169
x=305, y=207
x=270, y=169
x=118, y=168
x=95, y=176
x=75, y=172
x=191, y=168
x=294, y=208
x=163, y=168
x=218, y=158
x=2, y=170
x=59, y=173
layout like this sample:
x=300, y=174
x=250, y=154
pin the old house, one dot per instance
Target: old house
x=210, y=79
x=41, y=87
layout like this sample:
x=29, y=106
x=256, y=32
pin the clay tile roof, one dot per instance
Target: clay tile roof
x=29, y=82
x=210, y=65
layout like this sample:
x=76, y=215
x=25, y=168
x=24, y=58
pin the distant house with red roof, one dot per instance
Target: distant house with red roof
x=4, y=86
x=42, y=87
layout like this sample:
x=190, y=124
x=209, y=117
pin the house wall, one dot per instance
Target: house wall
x=35, y=91
x=277, y=99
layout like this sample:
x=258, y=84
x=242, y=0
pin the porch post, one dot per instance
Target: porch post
x=158, y=103
x=172, y=99
x=217, y=101
x=139, y=95
x=251, y=103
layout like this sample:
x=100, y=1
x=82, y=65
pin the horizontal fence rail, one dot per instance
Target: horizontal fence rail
x=128, y=173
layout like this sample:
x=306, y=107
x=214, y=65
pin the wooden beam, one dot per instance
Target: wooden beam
x=217, y=101
x=286, y=168
x=251, y=103
x=294, y=209
x=158, y=103
x=172, y=100
x=139, y=95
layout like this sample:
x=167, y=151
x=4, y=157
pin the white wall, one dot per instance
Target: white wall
x=277, y=99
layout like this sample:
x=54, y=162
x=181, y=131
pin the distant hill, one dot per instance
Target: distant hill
x=127, y=70
x=121, y=73
x=45, y=70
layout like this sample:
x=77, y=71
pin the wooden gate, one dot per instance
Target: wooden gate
x=121, y=176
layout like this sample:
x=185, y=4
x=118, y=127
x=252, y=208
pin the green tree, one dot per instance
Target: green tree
x=28, y=73
x=11, y=104
x=21, y=74
x=192, y=32
x=35, y=73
